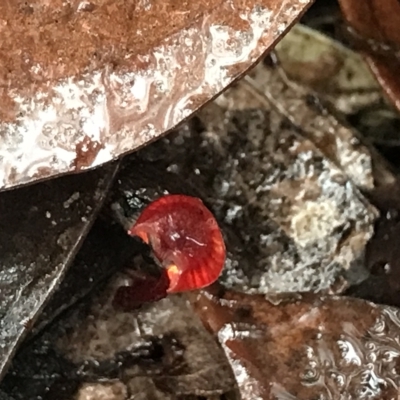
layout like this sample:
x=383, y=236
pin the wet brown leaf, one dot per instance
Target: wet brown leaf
x=41, y=228
x=89, y=81
x=376, y=30
x=305, y=346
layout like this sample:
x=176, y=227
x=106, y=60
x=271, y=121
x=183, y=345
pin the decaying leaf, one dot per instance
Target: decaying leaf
x=161, y=350
x=83, y=82
x=376, y=30
x=336, y=140
x=339, y=75
x=41, y=228
x=305, y=346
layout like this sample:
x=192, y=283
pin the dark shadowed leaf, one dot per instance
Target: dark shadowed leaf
x=375, y=28
x=383, y=251
x=83, y=82
x=41, y=228
x=306, y=346
x=105, y=250
x=159, y=352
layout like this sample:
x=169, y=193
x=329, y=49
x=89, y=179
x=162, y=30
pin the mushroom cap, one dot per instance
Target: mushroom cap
x=185, y=238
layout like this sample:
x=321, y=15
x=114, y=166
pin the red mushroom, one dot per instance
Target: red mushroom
x=185, y=238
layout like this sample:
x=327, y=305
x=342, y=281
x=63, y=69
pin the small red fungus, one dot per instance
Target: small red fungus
x=186, y=240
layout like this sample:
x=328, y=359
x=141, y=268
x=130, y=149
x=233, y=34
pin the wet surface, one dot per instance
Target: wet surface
x=68, y=107
x=41, y=229
x=95, y=348
x=298, y=196
x=302, y=347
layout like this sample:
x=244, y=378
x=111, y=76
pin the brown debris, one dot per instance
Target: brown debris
x=338, y=75
x=300, y=347
x=86, y=152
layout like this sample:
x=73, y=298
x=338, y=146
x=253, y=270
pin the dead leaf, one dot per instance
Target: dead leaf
x=376, y=30
x=382, y=256
x=105, y=250
x=302, y=347
x=41, y=228
x=90, y=81
x=337, y=74
x=161, y=349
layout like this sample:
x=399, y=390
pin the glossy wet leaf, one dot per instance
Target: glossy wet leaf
x=376, y=30
x=83, y=82
x=41, y=228
x=305, y=346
